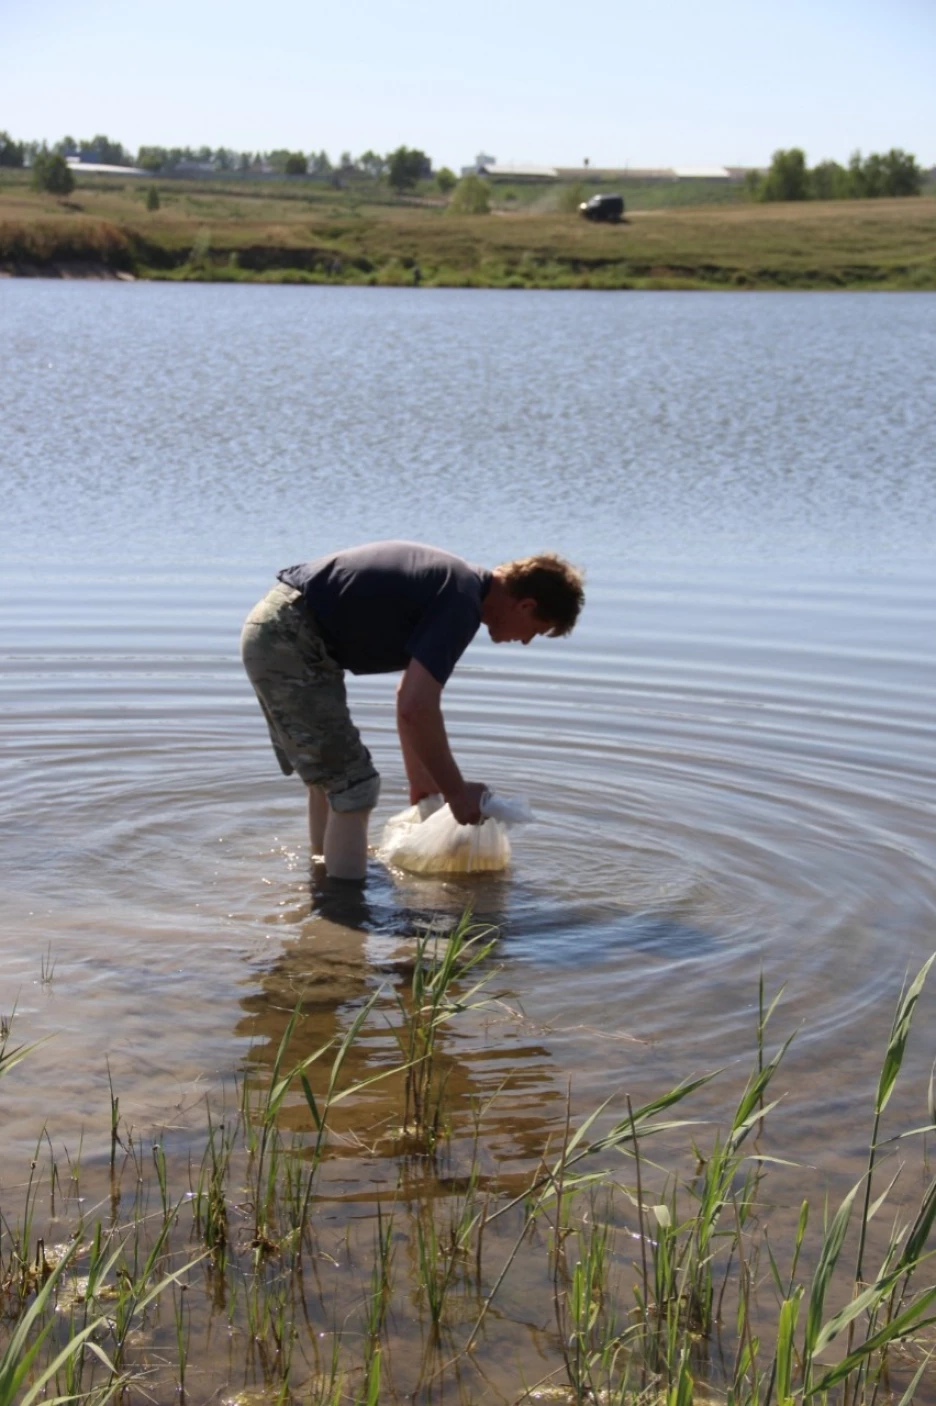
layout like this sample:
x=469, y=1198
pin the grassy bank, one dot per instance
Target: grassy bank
x=240, y=1261
x=306, y=234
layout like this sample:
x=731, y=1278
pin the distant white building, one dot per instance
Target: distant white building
x=489, y=166
x=486, y=165
x=616, y=173
x=498, y=171
x=702, y=173
x=100, y=168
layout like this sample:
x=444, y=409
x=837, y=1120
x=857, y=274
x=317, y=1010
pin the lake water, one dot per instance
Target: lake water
x=732, y=759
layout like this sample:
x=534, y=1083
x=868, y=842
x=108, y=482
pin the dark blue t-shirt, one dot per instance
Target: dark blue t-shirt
x=381, y=605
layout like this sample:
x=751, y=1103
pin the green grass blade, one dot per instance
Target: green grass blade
x=71, y=1349
x=310, y=1100
x=831, y=1249
x=911, y=1320
x=17, y=1358
x=786, y=1330
x=871, y=1296
x=10, y=1058
x=909, y=1395
x=920, y=1230
x=747, y=1113
x=900, y=1031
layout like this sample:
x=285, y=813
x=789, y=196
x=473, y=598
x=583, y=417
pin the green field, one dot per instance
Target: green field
x=309, y=232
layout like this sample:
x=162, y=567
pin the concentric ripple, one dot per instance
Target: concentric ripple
x=728, y=780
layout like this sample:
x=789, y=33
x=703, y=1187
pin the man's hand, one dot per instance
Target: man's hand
x=422, y=793
x=465, y=804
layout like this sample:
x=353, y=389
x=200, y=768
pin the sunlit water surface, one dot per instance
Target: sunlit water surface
x=732, y=760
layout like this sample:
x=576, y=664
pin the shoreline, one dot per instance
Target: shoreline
x=96, y=271
x=78, y=270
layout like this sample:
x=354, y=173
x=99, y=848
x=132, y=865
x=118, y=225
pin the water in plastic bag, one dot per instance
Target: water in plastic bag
x=427, y=839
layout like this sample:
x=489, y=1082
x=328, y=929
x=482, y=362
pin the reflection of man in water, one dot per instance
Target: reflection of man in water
x=377, y=609
x=324, y=969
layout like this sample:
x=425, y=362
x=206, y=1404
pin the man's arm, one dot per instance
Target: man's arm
x=426, y=752
x=421, y=781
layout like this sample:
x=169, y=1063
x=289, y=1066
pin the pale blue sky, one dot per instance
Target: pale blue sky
x=672, y=83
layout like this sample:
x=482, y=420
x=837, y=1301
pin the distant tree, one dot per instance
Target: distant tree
x=902, y=175
x=471, y=196
x=11, y=153
x=894, y=173
x=406, y=166
x=829, y=181
x=152, y=198
x=102, y=149
x=296, y=164
x=52, y=172
x=346, y=164
x=67, y=146
x=865, y=177
x=370, y=164
x=152, y=158
x=753, y=184
x=319, y=164
x=446, y=180
x=787, y=178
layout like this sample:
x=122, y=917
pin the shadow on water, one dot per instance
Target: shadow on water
x=533, y=924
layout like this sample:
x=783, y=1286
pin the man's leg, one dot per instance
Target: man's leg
x=301, y=690
x=318, y=818
x=346, y=844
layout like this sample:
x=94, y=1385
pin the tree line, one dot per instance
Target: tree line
x=895, y=172
x=892, y=173
x=402, y=169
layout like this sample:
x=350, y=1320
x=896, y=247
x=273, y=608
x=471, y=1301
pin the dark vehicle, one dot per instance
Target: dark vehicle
x=603, y=207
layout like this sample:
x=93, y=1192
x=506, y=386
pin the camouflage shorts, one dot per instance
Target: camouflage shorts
x=302, y=693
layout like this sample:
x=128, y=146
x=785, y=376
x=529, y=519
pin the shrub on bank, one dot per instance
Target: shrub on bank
x=51, y=172
x=571, y=197
x=471, y=196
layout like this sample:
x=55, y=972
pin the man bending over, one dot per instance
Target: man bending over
x=377, y=609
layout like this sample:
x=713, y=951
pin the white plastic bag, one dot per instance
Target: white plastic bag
x=427, y=839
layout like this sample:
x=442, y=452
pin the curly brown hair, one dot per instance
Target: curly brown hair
x=556, y=586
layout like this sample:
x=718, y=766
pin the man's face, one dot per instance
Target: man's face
x=517, y=622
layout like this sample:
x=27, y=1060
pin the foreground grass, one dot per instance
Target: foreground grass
x=238, y=1268
x=312, y=235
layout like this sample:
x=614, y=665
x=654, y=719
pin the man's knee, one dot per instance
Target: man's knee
x=360, y=795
